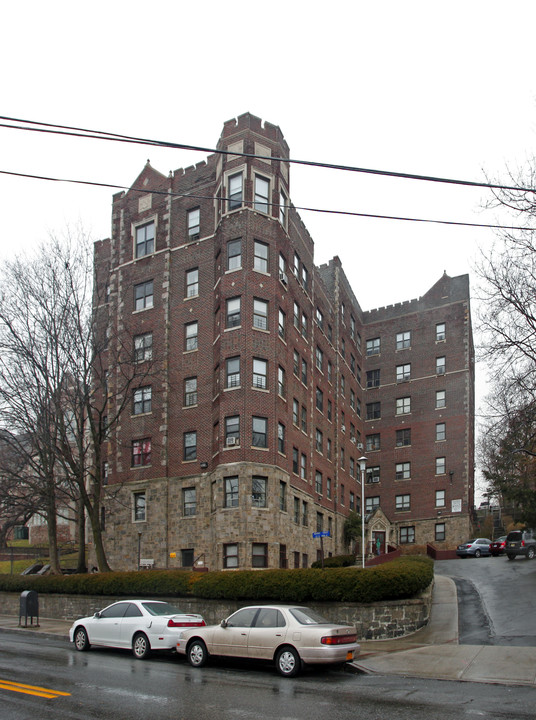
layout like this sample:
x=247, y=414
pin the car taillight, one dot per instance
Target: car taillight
x=522, y=543
x=188, y=623
x=338, y=639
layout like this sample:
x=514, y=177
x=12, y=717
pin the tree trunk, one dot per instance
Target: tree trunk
x=81, y=566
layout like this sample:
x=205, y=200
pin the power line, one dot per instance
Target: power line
x=193, y=196
x=71, y=131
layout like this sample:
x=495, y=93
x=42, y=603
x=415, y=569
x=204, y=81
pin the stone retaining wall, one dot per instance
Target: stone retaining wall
x=374, y=621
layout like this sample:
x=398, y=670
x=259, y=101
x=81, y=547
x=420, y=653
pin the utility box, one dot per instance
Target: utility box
x=29, y=607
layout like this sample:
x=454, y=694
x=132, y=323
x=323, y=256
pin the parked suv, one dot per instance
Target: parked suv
x=521, y=542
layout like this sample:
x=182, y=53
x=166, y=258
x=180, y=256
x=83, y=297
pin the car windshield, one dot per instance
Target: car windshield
x=306, y=616
x=161, y=608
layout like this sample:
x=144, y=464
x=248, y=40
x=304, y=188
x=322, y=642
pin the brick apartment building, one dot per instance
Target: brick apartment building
x=267, y=382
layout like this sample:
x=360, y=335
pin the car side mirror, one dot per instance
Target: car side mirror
x=223, y=623
x=97, y=615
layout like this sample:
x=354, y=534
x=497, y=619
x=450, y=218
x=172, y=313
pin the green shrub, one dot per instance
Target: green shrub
x=335, y=561
x=402, y=578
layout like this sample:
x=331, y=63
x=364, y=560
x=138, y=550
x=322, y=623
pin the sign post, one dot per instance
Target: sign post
x=321, y=535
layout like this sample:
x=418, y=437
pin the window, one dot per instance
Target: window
x=232, y=430
x=373, y=411
x=330, y=410
x=304, y=324
x=319, y=355
x=105, y=472
x=328, y=448
x=192, y=282
x=303, y=466
x=231, y=492
x=440, y=365
x=296, y=516
x=328, y=488
x=440, y=498
x=295, y=412
x=373, y=474
x=351, y=502
x=142, y=400
x=141, y=452
x=190, y=445
x=403, y=406
x=189, y=501
x=403, y=437
x=191, y=336
x=232, y=312
x=281, y=438
x=305, y=277
x=296, y=268
x=440, y=398
x=373, y=442
x=283, y=208
x=259, y=555
x=371, y=503
x=193, y=223
x=282, y=320
x=234, y=254
x=143, y=295
x=304, y=514
x=402, y=502
x=260, y=314
x=319, y=318
x=260, y=373
x=304, y=371
x=230, y=556
x=403, y=372
x=260, y=256
x=440, y=534
x=190, y=391
x=296, y=315
x=440, y=431
x=232, y=372
x=403, y=340
x=295, y=454
x=304, y=419
x=282, y=496
x=262, y=194
x=318, y=483
x=281, y=387
x=259, y=432
x=258, y=491
x=407, y=535
x=235, y=191
x=373, y=346
x=373, y=378
x=138, y=500
x=440, y=466
x=343, y=386
x=440, y=332
x=402, y=471
x=319, y=440
x=145, y=240
x=143, y=347
x=319, y=522
x=319, y=399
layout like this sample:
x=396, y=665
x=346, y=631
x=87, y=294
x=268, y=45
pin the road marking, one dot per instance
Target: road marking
x=31, y=689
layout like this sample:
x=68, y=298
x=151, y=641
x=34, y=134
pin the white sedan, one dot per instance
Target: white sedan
x=288, y=635
x=139, y=625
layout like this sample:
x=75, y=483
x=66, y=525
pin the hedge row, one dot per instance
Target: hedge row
x=401, y=578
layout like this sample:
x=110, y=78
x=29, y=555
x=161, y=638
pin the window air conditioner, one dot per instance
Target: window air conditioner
x=360, y=446
x=231, y=441
x=283, y=277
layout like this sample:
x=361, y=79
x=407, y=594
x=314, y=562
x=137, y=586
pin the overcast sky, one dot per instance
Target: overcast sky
x=446, y=89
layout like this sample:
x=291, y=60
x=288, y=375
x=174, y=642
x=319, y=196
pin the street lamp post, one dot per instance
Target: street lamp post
x=362, y=466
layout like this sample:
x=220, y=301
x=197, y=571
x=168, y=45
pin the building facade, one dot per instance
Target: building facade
x=266, y=382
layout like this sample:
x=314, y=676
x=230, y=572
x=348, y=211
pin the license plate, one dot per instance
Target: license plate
x=350, y=655
x=512, y=544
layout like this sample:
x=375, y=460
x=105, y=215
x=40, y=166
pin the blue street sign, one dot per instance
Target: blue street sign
x=321, y=534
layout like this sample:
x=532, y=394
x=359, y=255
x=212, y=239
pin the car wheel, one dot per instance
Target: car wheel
x=81, y=640
x=531, y=553
x=510, y=556
x=197, y=653
x=288, y=662
x=477, y=553
x=141, y=646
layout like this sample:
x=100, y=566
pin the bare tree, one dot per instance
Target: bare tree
x=56, y=350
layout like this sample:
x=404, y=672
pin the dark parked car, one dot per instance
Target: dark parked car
x=498, y=546
x=474, y=548
x=521, y=542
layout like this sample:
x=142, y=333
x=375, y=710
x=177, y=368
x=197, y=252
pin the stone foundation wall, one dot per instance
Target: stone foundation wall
x=374, y=621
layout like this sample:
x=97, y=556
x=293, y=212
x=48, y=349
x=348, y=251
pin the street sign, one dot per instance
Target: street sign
x=321, y=534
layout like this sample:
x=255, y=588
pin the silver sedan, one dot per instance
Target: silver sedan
x=139, y=625
x=285, y=634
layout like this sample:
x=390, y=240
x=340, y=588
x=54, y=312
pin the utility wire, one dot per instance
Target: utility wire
x=296, y=207
x=117, y=137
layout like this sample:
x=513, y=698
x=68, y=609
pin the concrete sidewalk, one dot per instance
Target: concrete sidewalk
x=432, y=652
